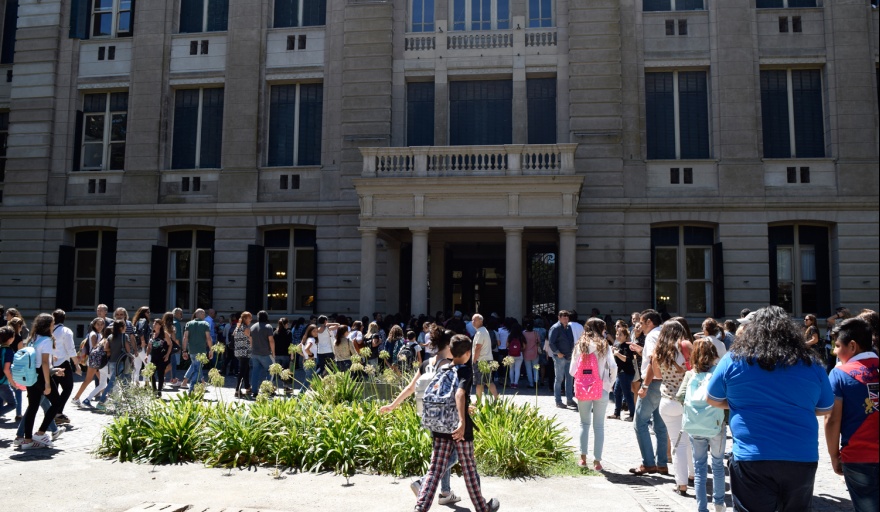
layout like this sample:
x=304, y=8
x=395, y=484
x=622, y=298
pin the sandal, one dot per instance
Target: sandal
x=582, y=463
x=681, y=492
x=643, y=470
x=597, y=465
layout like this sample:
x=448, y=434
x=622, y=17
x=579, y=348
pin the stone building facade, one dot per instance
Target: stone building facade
x=356, y=156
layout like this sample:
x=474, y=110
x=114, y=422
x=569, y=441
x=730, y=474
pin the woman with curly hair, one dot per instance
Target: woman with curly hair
x=774, y=386
x=669, y=362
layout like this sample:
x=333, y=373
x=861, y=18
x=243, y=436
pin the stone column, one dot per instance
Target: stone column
x=368, y=270
x=438, y=276
x=567, y=267
x=419, y=303
x=392, y=278
x=513, y=274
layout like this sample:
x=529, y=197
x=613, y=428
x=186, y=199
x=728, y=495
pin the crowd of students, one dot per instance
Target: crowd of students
x=761, y=376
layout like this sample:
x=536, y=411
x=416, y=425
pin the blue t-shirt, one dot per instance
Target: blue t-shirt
x=857, y=384
x=6, y=356
x=772, y=414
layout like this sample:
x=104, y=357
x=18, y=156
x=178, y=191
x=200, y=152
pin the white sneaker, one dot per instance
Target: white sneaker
x=493, y=504
x=76, y=402
x=416, y=487
x=720, y=507
x=449, y=499
x=33, y=445
x=43, y=439
x=56, y=434
x=17, y=442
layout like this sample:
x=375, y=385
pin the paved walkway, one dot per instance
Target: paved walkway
x=69, y=478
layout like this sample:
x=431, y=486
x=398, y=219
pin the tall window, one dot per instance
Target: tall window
x=686, y=265
x=420, y=114
x=94, y=268
x=541, y=94
x=677, y=115
x=791, y=113
x=480, y=14
x=295, y=118
x=290, y=269
x=422, y=19
x=778, y=4
x=672, y=5
x=300, y=13
x=112, y=18
x=540, y=13
x=190, y=269
x=198, y=129
x=480, y=112
x=10, y=25
x=203, y=16
x=105, y=121
x=799, y=269
x=4, y=137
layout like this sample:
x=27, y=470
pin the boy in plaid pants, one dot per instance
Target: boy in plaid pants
x=461, y=440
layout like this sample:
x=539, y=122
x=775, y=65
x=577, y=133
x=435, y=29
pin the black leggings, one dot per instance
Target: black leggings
x=35, y=396
x=158, y=378
x=244, y=373
x=66, y=384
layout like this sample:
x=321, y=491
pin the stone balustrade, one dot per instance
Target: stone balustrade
x=414, y=43
x=541, y=37
x=500, y=160
x=479, y=40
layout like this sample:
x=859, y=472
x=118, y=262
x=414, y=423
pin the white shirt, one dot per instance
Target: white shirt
x=356, y=337
x=309, y=346
x=325, y=341
x=719, y=346
x=607, y=368
x=577, y=330
x=482, y=338
x=648, y=350
x=43, y=345
x=503, y=333
x=64, y=346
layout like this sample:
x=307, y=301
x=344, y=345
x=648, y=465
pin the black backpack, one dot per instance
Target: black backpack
x=408, y=351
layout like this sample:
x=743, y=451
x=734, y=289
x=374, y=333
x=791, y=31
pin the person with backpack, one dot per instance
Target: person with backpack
x=7, y=353
x=407, y=352
x=90, y=344
x=445, y=414
x=64, y=357
x=593, y=370
x=704, y=424
x=515, y=343
x=36, y=375
x=439, y=339
x=668, y=364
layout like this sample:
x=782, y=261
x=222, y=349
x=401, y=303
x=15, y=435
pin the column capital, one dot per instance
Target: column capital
x=367, y=230
x=512, y=230
x=568, y=230
x=419, y=231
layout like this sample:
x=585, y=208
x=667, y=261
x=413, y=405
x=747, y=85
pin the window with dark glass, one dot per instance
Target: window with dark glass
x=4, y=137
x=105, y=123
x=300, y=13
x=540, y=13
x=480, y=14
x=422, y=15
x=190, y=269
x=677, y=115
x=672, y=5
x=779, y=4
x=480, y=112
x=687, y=273
x=792, y=118
x=203, y=16
x=10, y=26
x=541, y=96
x=198, y=129
x=112, y=18
x=94, y=268
x=800, y=273
x=295, y=121
x=290, y=269
x=420, y=114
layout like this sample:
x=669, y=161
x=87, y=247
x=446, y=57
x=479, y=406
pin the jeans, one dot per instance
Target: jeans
x=623, y=391
x=561, y=368
x=531, y=372
x=647, y=409
x=863, y=484
x=139, y=360
x=174, y=363
x=321, y=362
x=259, y=371
x=593, y=413
x=772, y=485
x=18, y=395
x=515, y=369
x=194, y=373
x=702, y=448
x=103, y=374
x=671, y=412
x=44, y=404
x=111, y=379
x=7, y=398
x=284, y=361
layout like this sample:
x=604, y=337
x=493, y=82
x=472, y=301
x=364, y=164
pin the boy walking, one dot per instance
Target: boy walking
x=461, y=439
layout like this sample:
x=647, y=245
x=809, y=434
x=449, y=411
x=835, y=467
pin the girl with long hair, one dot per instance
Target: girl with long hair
x=174, y=343
x=626, y=371
x=343, y=349
x=142, y=334
x=242, y=340
x=669, y=363
x=43, y=343
x=95, y=338
x=530, y=351
x=159, y=351
x=593, y=361
x=309, y=351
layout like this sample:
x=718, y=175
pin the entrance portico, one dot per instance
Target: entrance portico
x=449, y=214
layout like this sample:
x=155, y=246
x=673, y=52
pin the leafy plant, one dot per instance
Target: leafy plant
x=237, y=438
x=174, y=433
x=337, y=388
x=128, y=400
x=399, y=445
x=123, y=438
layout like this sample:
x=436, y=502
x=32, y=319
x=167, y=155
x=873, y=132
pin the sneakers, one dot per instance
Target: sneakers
x=76, y=402
x=57, y=434
x=42, y=439
x=86, y=403
x=416, y=487
x=720, y=507
x=449, y=499
x=493, y=504
x=62, y=420
x=33, y=445
x=17, y=442
x=101, y=407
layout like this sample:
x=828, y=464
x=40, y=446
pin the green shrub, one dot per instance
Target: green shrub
x=123, y=439
x=399, y=445
x=237, y=438
x=514, y=441
x=337, y=388
x=174, y=433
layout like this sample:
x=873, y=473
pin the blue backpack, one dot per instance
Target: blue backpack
x=439, y=412
x=24, y=366
x=699, y=418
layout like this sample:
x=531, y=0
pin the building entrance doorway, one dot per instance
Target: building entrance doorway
x=475, y=278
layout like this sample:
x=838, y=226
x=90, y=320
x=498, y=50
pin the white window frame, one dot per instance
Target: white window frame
x=468, y=20
x=411, y=22
x=106, y=143
x=192, y=279
x=290, y=279
x=682, y=280
x=78, y=251
x=796, y=253
x=115, y=10
x=552, y=13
